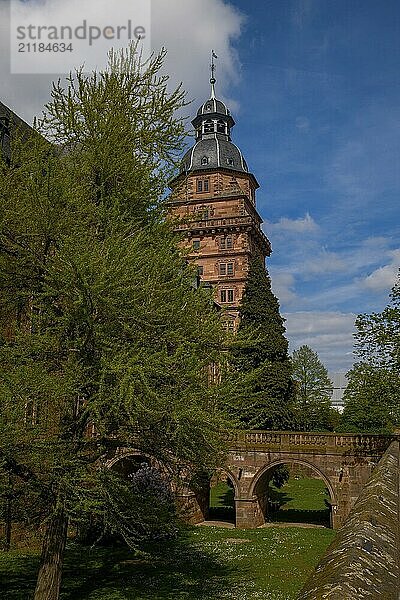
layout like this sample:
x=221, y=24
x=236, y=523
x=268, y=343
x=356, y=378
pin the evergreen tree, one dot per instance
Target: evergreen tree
x=313, y=401
x=371, y=398
x=260, y=364
x=109, y=341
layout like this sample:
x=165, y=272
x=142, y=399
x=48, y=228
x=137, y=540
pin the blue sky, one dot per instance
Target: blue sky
x=314, y=89
x=318, y=121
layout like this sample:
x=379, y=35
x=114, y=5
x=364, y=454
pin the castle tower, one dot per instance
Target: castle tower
x=213, y=200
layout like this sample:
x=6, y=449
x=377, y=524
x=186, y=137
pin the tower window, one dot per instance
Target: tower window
x=226, y=268
x=200, y=270
x=196, y=244
x=227, y=296
x=209, y=127
x=203, y=185
x=204, y=160
x=226, y=243
x=230, y=161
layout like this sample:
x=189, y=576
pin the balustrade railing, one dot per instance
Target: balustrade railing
x=333, y=441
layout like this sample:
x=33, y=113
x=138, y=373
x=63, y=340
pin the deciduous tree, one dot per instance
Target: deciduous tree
x=109, y=340
x=313, y=399
x=372, y=396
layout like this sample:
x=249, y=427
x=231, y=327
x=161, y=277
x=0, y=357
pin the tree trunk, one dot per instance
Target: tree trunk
x=51, y=562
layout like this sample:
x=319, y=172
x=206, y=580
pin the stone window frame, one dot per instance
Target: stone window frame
x=203, y=185
x=227, y=295
x=226, y=268
x=226, y=242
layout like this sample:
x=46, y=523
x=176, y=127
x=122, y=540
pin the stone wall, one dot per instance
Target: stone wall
x=363, y=560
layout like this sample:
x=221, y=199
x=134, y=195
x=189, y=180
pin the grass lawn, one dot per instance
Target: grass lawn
x=301, y=500
x=207, y=563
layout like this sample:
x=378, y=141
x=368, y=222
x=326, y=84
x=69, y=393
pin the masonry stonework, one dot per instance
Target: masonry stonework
x=213, y=206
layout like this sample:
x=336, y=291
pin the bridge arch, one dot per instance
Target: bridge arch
x=288, y=460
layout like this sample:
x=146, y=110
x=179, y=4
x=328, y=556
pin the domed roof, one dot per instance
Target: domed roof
x=212, y=153
x=213, y=106
x=213, y=148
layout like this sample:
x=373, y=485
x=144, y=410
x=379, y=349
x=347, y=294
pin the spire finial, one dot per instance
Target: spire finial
x=213, y=80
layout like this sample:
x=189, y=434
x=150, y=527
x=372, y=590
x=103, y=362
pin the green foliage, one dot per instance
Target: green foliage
x=372, y=396
x=107, y=334
x=312, y=405
x=371, y=400
x=261, y=367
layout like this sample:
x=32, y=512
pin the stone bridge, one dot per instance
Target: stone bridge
x=343, y=461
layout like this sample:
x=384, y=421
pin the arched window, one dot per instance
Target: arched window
x=204, y=160
x=230, y=161
x=209, y=127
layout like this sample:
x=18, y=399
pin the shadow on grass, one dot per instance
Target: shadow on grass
x=18, y=571
x=171, y=570
x=314, y=517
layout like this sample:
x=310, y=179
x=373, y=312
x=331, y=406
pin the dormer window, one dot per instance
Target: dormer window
x=208, y=127
x=208, y=106
x=230, y=161
x=221, y=127
x=204, y=160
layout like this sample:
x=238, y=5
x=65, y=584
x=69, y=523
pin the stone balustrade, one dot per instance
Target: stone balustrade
x=336, y=443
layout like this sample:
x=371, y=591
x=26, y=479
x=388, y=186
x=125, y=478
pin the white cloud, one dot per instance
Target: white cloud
x=189, y=29
x=330, y=334
x=301, y=225
x=282, y=285
x=325, y=262
x=384, y=277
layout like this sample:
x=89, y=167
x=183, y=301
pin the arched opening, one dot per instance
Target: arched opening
x=129, y=464
x=221, y=126
x=221, y=498
x=293, y=492
x=208, y=126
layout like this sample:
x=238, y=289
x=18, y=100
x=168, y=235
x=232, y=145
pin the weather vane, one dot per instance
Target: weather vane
x=213, y=80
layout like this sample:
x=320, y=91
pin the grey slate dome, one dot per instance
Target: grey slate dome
x=213, y=153
x=213, y=148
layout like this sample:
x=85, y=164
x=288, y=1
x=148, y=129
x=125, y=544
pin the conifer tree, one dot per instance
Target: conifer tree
x=260, y=363
x=109, y=341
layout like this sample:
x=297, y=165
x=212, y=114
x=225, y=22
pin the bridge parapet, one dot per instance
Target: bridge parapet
x=333, y=442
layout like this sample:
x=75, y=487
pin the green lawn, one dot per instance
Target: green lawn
x=301, y=500
x=207, y=563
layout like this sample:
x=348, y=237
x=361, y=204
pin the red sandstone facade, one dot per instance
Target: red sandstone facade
x=213, y=203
